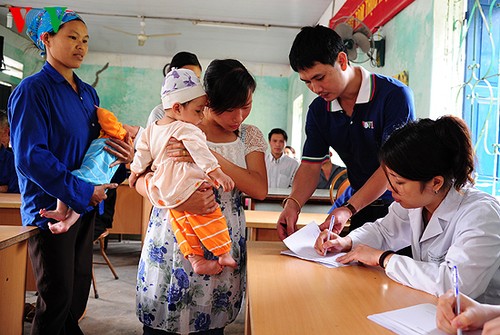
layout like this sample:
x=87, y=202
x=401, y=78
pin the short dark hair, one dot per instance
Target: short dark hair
x=277, y=131
x=181, y=59
x=228, y=85
x=421, y=150
x=315, y=44
x=291, y=148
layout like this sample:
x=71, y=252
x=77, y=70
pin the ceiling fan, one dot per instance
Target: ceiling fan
x=142, y=37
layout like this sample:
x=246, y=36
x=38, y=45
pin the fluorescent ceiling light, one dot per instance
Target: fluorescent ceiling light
x=234, y=25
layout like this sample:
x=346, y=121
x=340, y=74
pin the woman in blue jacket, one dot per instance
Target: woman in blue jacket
x=53, y=120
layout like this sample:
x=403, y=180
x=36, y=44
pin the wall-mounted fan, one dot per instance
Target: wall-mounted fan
x=359, y=41
x=142, y=37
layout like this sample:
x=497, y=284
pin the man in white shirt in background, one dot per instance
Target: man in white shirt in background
x=280, y=168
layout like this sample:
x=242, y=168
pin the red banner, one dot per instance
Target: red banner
x=373, y=13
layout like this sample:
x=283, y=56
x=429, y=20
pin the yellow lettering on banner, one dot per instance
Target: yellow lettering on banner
x=360, y=12
x=370, y=5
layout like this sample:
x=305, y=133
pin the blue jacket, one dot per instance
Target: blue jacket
x=51, y=128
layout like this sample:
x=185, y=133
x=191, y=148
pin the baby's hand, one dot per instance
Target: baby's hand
x=222, y=179
x=132, y=179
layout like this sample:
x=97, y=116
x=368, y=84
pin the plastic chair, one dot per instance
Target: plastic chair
x=101, y=241
x=339, y=185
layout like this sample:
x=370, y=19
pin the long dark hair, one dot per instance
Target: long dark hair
x=423, y=149
x=228, y=84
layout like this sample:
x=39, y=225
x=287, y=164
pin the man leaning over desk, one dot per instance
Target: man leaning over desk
x=354, y=113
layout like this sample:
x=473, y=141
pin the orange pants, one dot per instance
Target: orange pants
x=191, y=229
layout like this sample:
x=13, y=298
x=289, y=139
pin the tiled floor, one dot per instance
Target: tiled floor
x=114, y=312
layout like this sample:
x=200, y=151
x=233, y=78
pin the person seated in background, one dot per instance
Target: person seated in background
x=280, y=168
x=290, y=152
x=447, y=222
x=8, y=176
x=328, y=172
x=473, y=315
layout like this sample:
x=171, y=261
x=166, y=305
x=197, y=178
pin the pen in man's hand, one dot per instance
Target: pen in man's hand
x=457, y=294
x=330, y=228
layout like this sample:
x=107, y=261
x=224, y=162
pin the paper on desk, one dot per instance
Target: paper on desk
x=301, y=245
x=414, y=320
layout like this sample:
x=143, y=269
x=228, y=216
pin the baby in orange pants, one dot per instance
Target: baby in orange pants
x=95, y=169
x=171, y=183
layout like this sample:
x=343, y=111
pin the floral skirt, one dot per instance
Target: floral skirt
x=170, y=296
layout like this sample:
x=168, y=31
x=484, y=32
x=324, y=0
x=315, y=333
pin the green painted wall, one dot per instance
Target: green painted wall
x=20, y=49
x=131, y=93
x=270, y=104
x=410, y=47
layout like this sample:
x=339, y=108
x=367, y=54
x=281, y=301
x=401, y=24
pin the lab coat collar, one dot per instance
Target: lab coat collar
x=415, y=217
x=365, y=91
x=442, y=215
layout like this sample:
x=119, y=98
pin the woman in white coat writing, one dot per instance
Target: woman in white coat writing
x=437, y=211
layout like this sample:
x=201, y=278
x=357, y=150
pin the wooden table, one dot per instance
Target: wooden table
x=131, y=212
x=10, y=215
x=9, y=209
x=319, y=202
x=13, y=257
x=286, y=295
x=261, y=225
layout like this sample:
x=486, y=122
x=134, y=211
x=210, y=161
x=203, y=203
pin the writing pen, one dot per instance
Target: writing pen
x=457, y=294
x=330, y=228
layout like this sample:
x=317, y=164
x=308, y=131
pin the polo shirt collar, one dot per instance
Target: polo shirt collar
x=365, y=91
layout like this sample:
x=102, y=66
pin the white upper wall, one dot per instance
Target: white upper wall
x=157, y=62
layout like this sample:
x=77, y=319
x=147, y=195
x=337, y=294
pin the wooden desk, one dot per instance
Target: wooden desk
x=131, y=212
x=261, y=225
x=10, y=215
x=13, y=253
x=319, y=202
x=9, y=209
x=286, y=295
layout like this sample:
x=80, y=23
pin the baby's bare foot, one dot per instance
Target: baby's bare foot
x=64, y=225
x=203, y=266
x=56, y=215
x=227, y=260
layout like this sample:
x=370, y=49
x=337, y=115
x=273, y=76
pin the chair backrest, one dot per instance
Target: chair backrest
x=339, y=185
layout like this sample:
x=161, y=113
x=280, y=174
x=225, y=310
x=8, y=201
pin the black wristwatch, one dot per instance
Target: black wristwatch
x=350, y=208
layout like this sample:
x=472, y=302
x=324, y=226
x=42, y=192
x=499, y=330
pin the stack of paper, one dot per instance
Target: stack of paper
x=414, y=320
x=301, y=245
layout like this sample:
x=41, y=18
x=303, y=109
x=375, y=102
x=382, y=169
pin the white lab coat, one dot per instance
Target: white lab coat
x=463, y=231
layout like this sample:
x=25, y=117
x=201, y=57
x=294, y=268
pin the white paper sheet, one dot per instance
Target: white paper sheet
x=414, y=320
x=301, y=245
